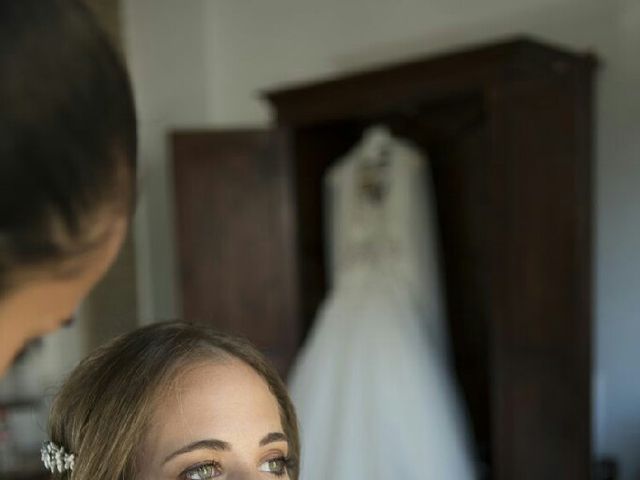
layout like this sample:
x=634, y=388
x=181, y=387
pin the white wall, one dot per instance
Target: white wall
x=206, y=61
x=259, y=44
x=167, y=52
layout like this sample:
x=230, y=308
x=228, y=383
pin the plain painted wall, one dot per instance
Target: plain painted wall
x=167, y=49
x=203, y=63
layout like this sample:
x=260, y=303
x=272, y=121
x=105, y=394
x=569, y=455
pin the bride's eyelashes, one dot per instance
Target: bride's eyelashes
x=278, y=467
x=202, y=471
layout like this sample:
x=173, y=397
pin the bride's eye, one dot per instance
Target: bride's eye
x=204, y=471
x=276, y=466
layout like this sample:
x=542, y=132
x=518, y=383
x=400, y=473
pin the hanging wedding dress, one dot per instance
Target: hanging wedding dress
x=373, y=387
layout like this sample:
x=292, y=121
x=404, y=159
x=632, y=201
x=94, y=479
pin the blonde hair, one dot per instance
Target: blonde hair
x=103, y=410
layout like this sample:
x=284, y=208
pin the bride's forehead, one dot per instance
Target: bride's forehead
x=226, y=370
x=220, y=399
x=218, y=383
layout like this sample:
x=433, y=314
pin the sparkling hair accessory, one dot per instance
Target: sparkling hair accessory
x=56, y=459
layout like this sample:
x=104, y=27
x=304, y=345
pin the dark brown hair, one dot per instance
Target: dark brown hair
x=103, y=410
x=68, y=132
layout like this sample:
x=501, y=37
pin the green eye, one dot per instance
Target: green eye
x=277, y=466
x=203, y=472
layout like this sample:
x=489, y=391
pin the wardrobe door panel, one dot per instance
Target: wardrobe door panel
x=234, y=236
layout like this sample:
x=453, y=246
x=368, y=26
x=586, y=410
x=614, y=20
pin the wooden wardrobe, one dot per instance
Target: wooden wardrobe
x=508, y=130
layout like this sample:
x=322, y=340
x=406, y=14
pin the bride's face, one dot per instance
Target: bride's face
x=218, y=421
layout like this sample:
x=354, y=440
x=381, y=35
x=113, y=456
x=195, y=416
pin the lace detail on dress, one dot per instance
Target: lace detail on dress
x=365, y=236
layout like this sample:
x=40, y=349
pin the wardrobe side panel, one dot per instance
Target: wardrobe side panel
x=542, y=324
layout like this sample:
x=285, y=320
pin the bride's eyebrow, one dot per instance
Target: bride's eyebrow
x=273, y=437
x=213, y=444
x=210, y=444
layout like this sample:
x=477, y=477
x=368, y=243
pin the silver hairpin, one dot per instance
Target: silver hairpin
x=55, y=458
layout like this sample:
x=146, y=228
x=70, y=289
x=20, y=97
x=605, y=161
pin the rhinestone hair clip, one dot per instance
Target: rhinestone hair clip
x=56, y=459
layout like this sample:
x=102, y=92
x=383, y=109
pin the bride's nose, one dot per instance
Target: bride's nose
x=244, y=474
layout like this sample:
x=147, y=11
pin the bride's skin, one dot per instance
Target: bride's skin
x=218, y=421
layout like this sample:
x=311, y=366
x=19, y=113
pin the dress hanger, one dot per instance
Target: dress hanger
x=375, y=144
x=373, y=159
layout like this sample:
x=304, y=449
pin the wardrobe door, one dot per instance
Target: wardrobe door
x=542, y=324
x=234, y=236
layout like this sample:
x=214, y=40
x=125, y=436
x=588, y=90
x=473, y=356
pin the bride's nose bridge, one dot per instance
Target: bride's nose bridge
x=243, y=472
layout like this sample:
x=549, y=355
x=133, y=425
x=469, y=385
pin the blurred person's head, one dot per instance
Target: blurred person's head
x=176, y=401
x=67, y=164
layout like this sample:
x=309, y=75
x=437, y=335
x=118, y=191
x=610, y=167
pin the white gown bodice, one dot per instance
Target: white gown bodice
x=382, y=223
